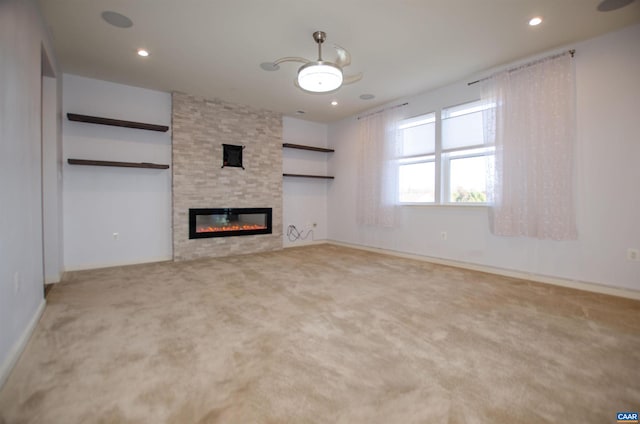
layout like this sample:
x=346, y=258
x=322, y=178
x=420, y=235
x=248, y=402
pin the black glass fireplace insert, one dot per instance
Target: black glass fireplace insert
x=227, y=222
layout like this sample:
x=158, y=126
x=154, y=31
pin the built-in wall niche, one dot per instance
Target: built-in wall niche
x=116, y=123
x=311, y=149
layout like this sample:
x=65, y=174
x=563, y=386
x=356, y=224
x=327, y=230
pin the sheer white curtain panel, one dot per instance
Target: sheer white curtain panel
x=377, y=189
x=533, y=128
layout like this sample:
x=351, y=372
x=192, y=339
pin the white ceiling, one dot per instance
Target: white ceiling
x=213, y=48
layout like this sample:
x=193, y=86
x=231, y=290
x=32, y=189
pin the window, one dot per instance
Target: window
x=465, y=157
x=466, y=172
x=416, y=159
x=450, y=168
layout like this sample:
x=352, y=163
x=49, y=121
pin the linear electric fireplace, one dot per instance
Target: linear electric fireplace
x=226, y=222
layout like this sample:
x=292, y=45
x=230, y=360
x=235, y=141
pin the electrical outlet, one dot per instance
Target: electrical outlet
x=443, y=235
x=116, y=236
x=633, y=254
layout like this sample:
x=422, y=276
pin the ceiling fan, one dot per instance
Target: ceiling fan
x=319, y=76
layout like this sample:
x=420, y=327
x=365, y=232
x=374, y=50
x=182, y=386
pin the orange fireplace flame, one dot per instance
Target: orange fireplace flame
x=242, y=227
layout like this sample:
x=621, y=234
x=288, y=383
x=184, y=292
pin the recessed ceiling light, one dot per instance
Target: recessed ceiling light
x=535, y=21
x=116, y=19
x=367, y=96
x=300, y=112
x=609, y=5
x=334, y=103
x=143, y=52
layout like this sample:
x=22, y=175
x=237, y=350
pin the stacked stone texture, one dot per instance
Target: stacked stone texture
x=200, y=127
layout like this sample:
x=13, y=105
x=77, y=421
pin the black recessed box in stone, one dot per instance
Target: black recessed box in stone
x=232, y=155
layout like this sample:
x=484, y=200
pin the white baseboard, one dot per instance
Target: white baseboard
x=574, y=284
x=53, y=279
x=18, y=347
x=84, y=267
x=303, y=243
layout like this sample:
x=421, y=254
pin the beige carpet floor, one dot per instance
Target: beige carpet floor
x=323, y=334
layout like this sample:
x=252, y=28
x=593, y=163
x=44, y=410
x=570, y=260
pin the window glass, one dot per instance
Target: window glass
x=462, y=126
x=462, y=131
x=468, y=183
x=418, y=140
x=416, y=166
x=418, y=135
x=417, y=182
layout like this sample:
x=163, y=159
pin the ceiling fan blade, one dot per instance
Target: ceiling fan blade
x=291, y=59
x=344, y=57
x=350, y=79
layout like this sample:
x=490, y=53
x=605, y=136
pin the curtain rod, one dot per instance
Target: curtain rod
x=382, y=110
x=526, y=65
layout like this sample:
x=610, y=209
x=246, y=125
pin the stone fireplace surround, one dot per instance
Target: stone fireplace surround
x=200, y=127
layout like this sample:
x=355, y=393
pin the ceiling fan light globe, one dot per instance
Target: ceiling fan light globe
x=320, y=77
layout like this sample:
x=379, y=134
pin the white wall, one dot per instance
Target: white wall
x=52, y=180
x=608, y=100
x=22, y=38
x=100, y=201
x=304, y=199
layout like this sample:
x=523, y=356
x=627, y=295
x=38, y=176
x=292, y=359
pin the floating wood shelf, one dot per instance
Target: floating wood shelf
x=116, y=122
x=303, y=147
x=326, y=177
x=118, y=164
